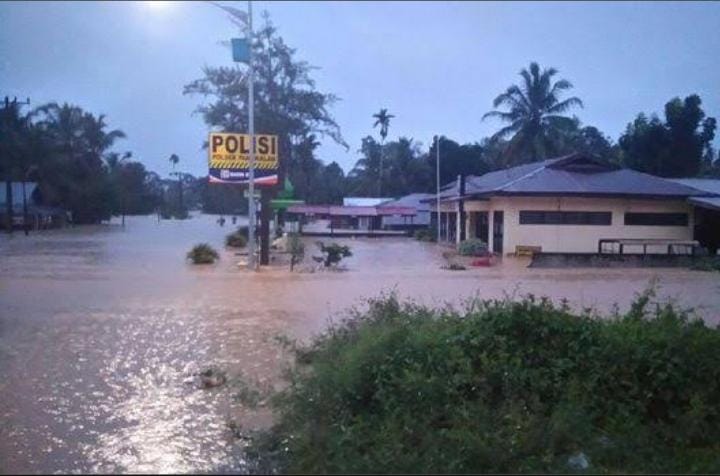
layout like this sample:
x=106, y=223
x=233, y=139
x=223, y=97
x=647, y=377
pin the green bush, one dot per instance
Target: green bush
x=296, y=248
x=203, y=254
x=472, y=247
x=502, y=387
x=236, y=239
x=333, y=253
x=424, y=234
x=707, y=263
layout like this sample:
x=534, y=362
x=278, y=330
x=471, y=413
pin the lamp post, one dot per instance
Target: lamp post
x=437, y=182
x=243, y=19
x=251, y=127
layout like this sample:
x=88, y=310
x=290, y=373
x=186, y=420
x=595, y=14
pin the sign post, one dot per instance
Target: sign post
x=238, y=159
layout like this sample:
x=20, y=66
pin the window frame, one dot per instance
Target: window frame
x=565, y=217
x=679, y=219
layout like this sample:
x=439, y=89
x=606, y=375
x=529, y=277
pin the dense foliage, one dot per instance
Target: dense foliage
x=68, y=152
x=503, y=387
x=333, y=253
x=203, y=253
x=472, y=247
x=681, y=146
x=236, y=239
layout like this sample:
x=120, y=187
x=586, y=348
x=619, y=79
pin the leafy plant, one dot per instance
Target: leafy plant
x=424, y=234
x=236, y=239
x=296, y=248
x=333, y=253
x=473, y=247
x=203, y=253
x=502, y=387
x=707, y=263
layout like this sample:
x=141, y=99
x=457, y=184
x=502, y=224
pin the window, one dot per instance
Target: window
x=656, y=219
x=537, y=217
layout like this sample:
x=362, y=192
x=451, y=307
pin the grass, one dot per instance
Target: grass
x=502, y=386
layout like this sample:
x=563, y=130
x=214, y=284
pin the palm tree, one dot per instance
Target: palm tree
x=382, y=119
x=115, y=162
x=174, y=159
x=535, y=113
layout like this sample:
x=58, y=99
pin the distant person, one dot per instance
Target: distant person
x=234, y=219
x=221, y=221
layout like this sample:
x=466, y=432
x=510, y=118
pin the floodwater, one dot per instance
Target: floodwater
x=102, y=329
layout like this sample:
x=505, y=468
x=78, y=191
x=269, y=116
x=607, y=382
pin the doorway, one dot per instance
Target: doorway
x=481, y=226
x=498, y=218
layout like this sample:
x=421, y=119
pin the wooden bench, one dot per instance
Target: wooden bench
x=524, y=250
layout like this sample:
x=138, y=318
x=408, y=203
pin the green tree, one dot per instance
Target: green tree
x=15, y=131
x=287, y=102
x=677, y=147
x=74, y=173
x=382, y=119
x=535, y=113
x=455, y=159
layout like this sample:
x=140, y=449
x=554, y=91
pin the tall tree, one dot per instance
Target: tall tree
x=382, y=119
x=75, y=173
x=456, y=159
x=673, y=148
x=15, y=129
x=287, y=102
x=535, y=112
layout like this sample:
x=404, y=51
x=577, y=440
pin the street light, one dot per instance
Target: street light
x=244, y=21
x=437, y=180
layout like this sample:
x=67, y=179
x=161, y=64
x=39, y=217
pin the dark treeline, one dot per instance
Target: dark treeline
x=71, y=153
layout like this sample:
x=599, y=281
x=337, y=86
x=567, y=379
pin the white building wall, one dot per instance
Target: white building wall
x=580, y=238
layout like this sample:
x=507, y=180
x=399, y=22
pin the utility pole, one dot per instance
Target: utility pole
x=251, y=127
x=437, y=181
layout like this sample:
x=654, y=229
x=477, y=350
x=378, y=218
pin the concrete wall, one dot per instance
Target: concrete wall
x=580, y=238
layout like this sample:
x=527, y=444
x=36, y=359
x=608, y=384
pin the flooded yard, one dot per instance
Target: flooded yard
x=102, y=329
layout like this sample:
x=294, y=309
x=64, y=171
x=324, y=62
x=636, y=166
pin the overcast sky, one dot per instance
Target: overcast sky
x=435, y=65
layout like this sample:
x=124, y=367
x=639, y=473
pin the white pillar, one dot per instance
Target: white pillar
x=490, y=230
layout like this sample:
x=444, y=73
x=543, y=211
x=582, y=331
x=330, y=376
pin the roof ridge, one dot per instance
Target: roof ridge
x=527, y=175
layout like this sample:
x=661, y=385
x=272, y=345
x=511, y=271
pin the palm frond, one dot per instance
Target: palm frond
x=563, y=106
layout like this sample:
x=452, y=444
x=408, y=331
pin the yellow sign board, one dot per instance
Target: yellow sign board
x=232, y=151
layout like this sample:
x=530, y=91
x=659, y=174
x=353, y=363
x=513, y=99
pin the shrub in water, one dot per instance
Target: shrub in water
x=333, y=253
x=203, y=254
x=503, y=387
x=296, y=248
x=236, y=239
x=472, y=247
x=424, y=234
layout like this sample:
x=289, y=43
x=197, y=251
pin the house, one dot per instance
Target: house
x=568, y=205
x=421, y=218
x=707, y=211
x=39, y=216
x=364, y=201
x=348, y=220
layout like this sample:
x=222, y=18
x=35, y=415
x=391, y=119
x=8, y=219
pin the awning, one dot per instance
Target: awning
x=713, y=203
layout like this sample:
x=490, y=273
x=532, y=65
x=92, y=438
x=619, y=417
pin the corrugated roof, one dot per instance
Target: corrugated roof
x=706, y=202
x=707, y=185
x=414, y=200
x=573, y=175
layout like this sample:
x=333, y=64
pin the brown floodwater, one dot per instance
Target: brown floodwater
x=102, y=329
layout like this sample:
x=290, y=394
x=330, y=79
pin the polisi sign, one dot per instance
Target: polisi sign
x=229, y=158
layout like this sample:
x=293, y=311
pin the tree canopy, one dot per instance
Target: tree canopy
x=678, y=147
x=534, y=115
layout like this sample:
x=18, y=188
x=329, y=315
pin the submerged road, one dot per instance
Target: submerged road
x=102, y=329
